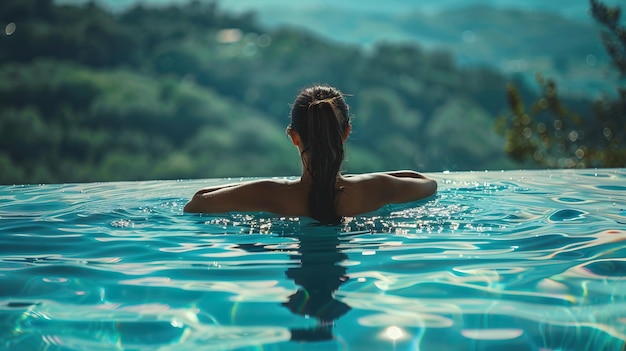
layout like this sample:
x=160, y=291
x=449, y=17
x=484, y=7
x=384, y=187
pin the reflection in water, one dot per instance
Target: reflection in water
x=318, y=276
x=515, y=261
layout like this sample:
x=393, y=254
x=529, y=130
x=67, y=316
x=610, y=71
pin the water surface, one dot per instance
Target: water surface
x=515, y=260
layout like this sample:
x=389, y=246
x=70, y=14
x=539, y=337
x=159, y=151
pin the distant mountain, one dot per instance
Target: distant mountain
x=555, y=38
x=575, y=9
x=513, y=40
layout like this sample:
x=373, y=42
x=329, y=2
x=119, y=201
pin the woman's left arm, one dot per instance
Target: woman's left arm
x=215, y=187
x=246, y=196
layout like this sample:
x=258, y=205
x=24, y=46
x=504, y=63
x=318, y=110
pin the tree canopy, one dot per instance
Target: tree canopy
x=191, y=91
x=551, y=134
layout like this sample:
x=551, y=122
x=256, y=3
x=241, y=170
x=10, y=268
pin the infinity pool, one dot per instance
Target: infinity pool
x=514, y=260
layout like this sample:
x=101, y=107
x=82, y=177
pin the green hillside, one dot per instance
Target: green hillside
x=511, y=41
x=193, y=91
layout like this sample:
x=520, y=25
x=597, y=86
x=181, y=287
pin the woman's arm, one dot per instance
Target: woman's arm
x=406, y=186
x=246, y=196
x=215, y=187
x=406, y=174
x=399, y=174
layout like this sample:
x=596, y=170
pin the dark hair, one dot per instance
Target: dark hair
x=320, y=116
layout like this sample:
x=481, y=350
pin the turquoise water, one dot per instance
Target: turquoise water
x=515, y=260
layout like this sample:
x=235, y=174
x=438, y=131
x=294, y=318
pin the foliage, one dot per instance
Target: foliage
x=613, y=35
x=551, y=135
x=90, y=125
x=190, y=91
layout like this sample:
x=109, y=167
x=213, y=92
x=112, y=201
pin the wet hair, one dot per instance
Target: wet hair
x=320, y=116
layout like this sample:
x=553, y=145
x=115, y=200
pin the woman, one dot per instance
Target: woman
x=319, y=127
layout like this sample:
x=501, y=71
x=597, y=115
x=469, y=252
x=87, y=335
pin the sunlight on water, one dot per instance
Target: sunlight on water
x=531, y=260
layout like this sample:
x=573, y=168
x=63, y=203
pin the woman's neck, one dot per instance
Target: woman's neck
x=306, y=178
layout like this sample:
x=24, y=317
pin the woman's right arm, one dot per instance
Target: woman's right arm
x=406, y=174
x=407, y=186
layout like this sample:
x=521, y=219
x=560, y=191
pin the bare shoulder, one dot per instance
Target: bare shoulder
x=395, y=178
x=375, y=190
x=262, y=195
x=405, y=186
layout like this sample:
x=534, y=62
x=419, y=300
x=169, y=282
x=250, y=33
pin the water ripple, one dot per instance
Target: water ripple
x=528, y=260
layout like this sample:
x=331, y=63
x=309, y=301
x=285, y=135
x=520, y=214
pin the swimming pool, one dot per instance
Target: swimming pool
x=515, y=260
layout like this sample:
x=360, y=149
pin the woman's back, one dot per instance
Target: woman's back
x=356, y=194
x=320, y=125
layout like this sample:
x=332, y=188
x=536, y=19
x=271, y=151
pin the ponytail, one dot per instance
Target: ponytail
x=320, y=116
x=325, y=150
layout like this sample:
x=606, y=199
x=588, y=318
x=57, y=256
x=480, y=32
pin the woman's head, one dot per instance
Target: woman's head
x=320, y=117
x=316, y=96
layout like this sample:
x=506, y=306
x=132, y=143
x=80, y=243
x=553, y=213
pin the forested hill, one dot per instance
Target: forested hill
x=502, y=38
x=192, y=91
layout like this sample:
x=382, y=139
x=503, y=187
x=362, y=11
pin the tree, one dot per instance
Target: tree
x=549, y=134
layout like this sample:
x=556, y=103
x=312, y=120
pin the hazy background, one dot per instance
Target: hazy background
x=509, y=36
x=113, y=90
